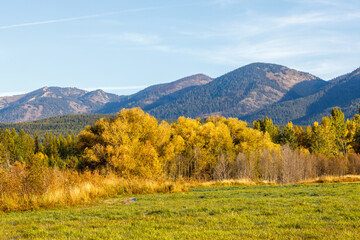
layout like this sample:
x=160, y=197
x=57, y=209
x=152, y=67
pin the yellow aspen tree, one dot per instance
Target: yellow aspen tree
x=130, y=143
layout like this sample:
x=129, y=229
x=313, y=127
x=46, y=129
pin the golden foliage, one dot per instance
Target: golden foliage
x=134, y=144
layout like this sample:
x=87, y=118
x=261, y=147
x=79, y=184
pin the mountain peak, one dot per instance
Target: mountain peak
x=262, y=65
x=99, y=91
x=193, y=80
x=283, y=76
x=356, y=72
x=99, y=97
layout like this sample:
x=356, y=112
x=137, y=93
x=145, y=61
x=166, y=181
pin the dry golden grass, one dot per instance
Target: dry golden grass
x=22, y=188
x=226, y=182
x=85, y=192
x=332, y=179
x=66, y=188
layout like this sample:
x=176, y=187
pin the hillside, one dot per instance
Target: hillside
x=152, y=94
x=343, y=92
x=52, y=101
x=65, y=124
x=6, y=101
x=238, y=93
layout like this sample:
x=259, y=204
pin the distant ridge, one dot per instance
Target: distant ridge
x=152, y=94
x=52, y=101
x=250, y=92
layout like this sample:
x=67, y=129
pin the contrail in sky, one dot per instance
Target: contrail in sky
x=51, y=21
x=60, y=20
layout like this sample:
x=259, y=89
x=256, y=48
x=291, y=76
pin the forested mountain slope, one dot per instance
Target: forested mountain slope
x=65, y=124
x=152, y=94
x=343, y=92
x=239, y=92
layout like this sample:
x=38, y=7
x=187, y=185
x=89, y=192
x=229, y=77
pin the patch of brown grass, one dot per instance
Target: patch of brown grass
x=227, y=182
x=23, y=188
x=67, y=188
x=332, y=179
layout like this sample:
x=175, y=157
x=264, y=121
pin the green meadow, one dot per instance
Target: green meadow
x=309, y=211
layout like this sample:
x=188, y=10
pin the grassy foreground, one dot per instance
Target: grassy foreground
x=310, y=211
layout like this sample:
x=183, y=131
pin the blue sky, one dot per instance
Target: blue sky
x=124, y=46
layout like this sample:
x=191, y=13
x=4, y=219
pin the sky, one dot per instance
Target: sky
x=124, y=46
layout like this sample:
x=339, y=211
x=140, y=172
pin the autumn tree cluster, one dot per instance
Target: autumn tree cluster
x=135, y=144
x=334, y=136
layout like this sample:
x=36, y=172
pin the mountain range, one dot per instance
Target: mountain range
x=250, y=92
x=52, y=101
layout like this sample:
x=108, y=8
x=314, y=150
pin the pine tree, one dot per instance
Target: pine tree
x=289, y=136
x=338, y=122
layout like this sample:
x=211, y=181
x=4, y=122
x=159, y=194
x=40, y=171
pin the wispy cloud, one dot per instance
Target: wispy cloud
x=9, y=94
x=257, y=24
x=286, y=36
x=139, y=38
x=224, y=3
x=132, y=37
x=301, y=40
x=312, y=18
x=302, y=19
x=60, y=20
x=331, y=3
x=328, y=2
x=323, y=2
x=53, y=21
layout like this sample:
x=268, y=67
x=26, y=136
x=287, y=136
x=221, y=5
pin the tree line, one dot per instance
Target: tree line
x=334, y=136
x=65, y=124
x=135, y=144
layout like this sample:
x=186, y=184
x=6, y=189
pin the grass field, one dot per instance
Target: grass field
x=310, y=211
